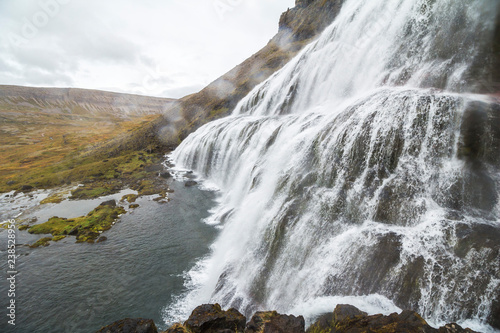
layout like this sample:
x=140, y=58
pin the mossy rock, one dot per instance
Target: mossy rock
x=347, y=318
x=177, y=328
x=41, y=242
x=131, y=198
x=272, y=321
x=54, y=198
x=210, y=318
x=92, y=192
x=58, y=238
x=86, y=228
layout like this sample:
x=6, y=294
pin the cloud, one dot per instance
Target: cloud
x=155, y=47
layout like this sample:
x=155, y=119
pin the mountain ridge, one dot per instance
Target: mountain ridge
x=77, y=100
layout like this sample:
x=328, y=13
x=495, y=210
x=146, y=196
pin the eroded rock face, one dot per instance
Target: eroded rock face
x=129, y=325
x=273, y=322
x=349, y=319
x=210, y=318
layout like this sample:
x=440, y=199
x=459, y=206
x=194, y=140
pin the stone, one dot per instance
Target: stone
x=73, y=232
x=494, y=318
x=129, y=325
x=345, y=312
x=454, y=328
x=165, y=175
x=273, y=322
x=210, y=318
x=26, y=188
x=347, y=318
x=190, y=183
x=177, y=328
x=102, y=239
x=110, y=203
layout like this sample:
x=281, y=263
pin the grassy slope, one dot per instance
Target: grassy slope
x=47, y=136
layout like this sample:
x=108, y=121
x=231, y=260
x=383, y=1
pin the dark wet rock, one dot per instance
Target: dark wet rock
x=345, y=312
x=494, y=318
x=11, y=182
x=177, y=328
x=110, y=203
x=128, y=325
x=347, y=318
x=26, y=188
x=343, y=315
x=102, y=239
x=190, y=183
x=210, y=318
x=273, y=322
x=165, y=175
x=73, y=232
x=477, y=237
x=454, y=328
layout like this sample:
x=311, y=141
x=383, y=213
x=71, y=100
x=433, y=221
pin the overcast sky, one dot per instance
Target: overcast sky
x=166, y=48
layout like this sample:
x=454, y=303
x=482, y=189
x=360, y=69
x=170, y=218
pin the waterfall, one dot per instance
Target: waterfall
x=365, y=171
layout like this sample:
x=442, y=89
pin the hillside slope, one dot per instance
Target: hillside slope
x=40, y=127
x=80, y=101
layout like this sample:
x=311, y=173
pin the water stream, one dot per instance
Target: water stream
x=367, y=169
x=69, y=287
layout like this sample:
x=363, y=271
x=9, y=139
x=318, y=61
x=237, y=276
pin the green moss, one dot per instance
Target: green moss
x=92, y=192
x=106, y=175
x=85, y=228
x=55, y=198
x=24, y=227
x=41, y=242
x=129, y=197
x=147, y=187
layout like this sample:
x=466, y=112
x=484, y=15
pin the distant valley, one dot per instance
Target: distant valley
x=42, y=126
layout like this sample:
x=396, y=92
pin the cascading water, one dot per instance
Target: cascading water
x=365, y=171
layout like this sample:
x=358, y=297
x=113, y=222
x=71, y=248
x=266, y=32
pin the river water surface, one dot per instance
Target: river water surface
x=69, y=287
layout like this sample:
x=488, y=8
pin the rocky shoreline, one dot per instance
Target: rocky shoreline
x=142, y=172
x=210, y=318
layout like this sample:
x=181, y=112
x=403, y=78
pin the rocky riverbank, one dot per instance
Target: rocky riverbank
x=141, y=172
x=210, y=318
